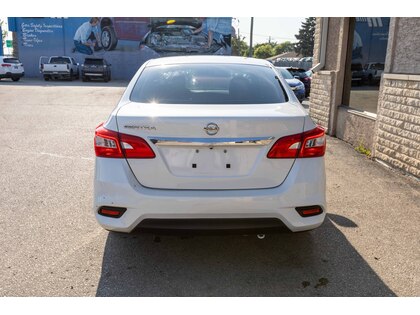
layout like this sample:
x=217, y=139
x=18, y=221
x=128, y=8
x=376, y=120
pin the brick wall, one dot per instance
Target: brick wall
x=317, y=41
x=320, y=100
x=398, y=123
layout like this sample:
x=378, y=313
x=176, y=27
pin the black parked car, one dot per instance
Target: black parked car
x=96, y=68
x=303, y=76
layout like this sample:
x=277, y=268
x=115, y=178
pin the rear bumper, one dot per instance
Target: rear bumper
x=212, y=226
x=11, y=75
x=93, y=74
x=115, y=185
x=57, y=75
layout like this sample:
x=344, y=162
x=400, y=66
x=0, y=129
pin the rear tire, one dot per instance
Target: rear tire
x=15, y=79
x=46, y=78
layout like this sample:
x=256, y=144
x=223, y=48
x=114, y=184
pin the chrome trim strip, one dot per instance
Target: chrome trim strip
x=211, y=142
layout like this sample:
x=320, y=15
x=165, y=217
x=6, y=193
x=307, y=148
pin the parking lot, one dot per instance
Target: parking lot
x=52, y=246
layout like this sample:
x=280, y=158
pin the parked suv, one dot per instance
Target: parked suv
x=11, y=68
x=96, y=68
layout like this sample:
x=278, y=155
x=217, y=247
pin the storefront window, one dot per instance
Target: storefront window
x=366, y=61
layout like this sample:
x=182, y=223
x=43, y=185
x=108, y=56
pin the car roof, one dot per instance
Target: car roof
x=207, y=59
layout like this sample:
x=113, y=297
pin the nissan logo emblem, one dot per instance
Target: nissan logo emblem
x=211, y=129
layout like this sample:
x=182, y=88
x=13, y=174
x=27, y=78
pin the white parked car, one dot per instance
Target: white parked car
x=11, y=68
x=209, y=142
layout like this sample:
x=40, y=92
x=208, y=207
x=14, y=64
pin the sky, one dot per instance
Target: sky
x=280, y=29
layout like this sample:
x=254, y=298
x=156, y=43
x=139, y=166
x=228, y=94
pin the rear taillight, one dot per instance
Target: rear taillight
x=6, y=65
x=314, y=143
x=111, y=144
x=286, y=147
x=309, y=211
x=311, y=143
x=113, y=212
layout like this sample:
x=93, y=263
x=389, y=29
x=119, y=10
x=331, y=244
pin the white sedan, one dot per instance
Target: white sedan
x=209, y=142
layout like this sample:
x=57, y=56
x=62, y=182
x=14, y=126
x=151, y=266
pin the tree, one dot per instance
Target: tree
x=3, y=34
x=305, y=44
x=283, y=47
x=263, y=51
x=239, y=46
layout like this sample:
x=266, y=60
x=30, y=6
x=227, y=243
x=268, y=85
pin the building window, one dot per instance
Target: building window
x=368, y=40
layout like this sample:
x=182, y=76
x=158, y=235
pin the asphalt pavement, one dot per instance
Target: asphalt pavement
x=51, y=244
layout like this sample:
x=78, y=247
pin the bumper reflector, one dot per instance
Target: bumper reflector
x=309, y=211
x=113, y=212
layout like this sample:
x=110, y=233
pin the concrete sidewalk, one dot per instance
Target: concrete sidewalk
x=378, y=211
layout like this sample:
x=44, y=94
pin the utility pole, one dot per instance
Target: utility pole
x=250, y=39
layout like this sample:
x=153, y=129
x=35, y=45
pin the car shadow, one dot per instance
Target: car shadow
x=317, y=263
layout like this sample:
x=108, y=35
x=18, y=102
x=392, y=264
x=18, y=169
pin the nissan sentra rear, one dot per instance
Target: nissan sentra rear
x=209, y=142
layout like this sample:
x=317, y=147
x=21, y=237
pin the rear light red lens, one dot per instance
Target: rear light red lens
x=113, y=212
x=135, y=147
x=111, y=144
x=309, y=211
x=6, y=65
x=309, y=144
x=286, y=147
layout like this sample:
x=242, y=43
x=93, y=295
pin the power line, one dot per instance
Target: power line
x=272, y=37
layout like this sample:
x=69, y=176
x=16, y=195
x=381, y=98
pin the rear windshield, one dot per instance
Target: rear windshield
x=208, y=84
x=286, y=74
x=59, y=60
x=11, y=60
x=96, y=62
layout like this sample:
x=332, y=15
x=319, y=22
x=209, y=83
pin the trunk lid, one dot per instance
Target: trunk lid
x=187, y=157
